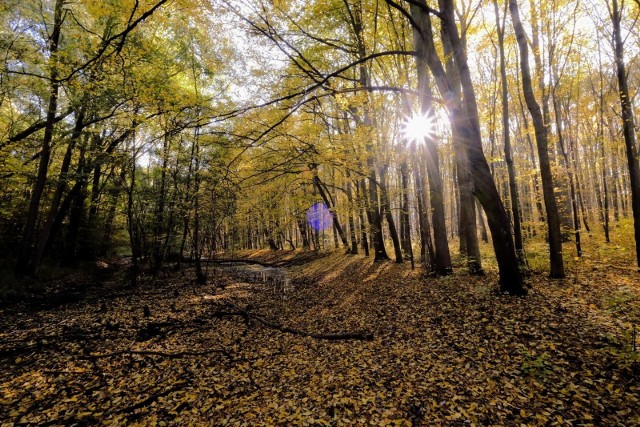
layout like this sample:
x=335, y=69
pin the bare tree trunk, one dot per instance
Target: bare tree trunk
x=352, y=208
x=442, y=255
x=567, y=165
x=427, y=253
x=158, y=222
x=197, y=244
x=361, y=199
x=513, y=187
x=374, y=213
x=628, y=126
x=405, y=220
x=468, y=231
x=25, y=264
x=63, y=177
x=375, y=218
x=302, y=226
x=386, y=208
x=484, y=186
x=483, y=228
x=105, y=243
x=553, y=218
x=605, y=175
x=327, y=201
x=187, y=202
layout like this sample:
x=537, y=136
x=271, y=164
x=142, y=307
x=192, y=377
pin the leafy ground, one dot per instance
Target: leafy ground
x=445, y=351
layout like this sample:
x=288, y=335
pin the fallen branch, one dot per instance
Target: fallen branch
x=364, y=336
x=152, y=398
x=176, y=355
x=360, y=335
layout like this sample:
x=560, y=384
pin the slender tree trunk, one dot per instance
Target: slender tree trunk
x=105, y=243
x=386, y=208
x=352, y=223
x=63, y=177
x=197, y=246
x=614, y=187
x=188, y=202
x=536, y=195
x=483, y=228
x=134, y=235
x=553, y=218
x=513, y=187
x=567, y=165
x=25, y=264
x=76, y=215
x=466, y=208
x=302, y=225
x=427, y=252
x=374, y=213
x=327, y=201
x=405, y=219
x=361, y=198
x=442, y=255
x=605, y=175
x=628, y=125
x=564, y=207
x=484, y=186
x=375, y=218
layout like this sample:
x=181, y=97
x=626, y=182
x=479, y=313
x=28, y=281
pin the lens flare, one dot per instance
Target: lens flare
x=319, y=217
x=417, y=127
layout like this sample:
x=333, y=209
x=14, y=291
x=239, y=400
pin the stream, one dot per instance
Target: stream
x=256, y=273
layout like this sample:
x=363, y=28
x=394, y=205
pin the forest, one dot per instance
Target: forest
x=322, y=212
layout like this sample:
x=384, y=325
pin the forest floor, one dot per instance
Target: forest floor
x=445, y=351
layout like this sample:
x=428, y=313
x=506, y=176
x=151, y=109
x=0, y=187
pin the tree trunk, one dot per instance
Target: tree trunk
x=553, y=218
x=352, y=223
x=375, y=218
x=483, y=228
x=134, y=237
x=513, y=187
x=158, y=223
x=405, y=221
x=302, y=226
x=63, y=177
x=468, y=231
x=25, y=264
x=567, y=165
x=484, y=185
x=327, y=201
x=105, y=243
x=361, y=198
x=197, y=246
x=605, y=175
x=427, y=253
x=442, y=255
x=628, y=126
x=386, y=208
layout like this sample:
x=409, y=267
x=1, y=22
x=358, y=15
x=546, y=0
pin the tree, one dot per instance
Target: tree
x=423, y=40
x=513, y=188
x=25, y=263
x=484, y=186
x=627, y=116
x=553, y=218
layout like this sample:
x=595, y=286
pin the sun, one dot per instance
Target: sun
x=417, y=127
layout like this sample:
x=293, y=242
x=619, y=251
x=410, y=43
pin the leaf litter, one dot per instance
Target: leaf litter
x=445, y=351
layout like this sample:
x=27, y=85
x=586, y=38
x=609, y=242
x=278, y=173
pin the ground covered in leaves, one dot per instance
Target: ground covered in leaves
x=445, y=351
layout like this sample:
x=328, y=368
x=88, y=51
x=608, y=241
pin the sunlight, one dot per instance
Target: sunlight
x=417, y=127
